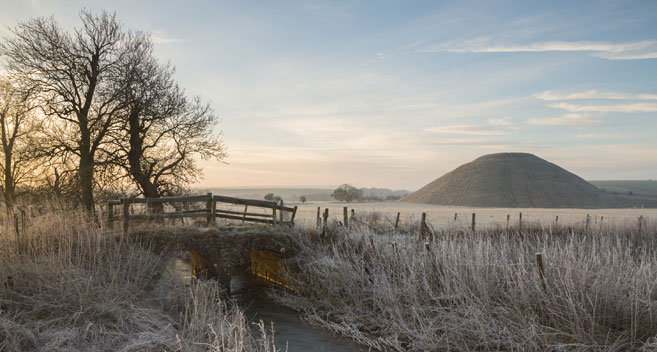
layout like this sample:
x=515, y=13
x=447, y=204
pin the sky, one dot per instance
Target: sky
x=396, y=93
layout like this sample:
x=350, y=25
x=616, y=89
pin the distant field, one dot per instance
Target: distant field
x=443, y=216
x=288, y=194
x=626, y=186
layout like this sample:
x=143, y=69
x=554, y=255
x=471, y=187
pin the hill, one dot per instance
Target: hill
x=512, y=180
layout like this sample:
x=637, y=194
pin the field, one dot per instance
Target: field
x=72, y=286
x=485, y=291
x=625, y=186
x=443, y=216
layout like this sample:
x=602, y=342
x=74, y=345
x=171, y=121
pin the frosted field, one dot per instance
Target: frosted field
x=440, y=216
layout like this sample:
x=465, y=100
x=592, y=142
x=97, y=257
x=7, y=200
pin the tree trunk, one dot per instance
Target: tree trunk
x=86, y=173
x=135, y=156
x=9, y=186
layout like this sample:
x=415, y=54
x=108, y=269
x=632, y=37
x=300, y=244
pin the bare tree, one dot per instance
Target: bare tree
x=163, y=130
x=76, y=77
x=17, y=123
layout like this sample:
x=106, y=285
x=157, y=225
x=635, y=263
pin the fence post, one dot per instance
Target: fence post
x=423, y=224
x=273, y=214
x=208, y=208
x=326, y=215
x=520, y=223
x=397, y=221
x=539, y=269
x=294, y=213
x=319, y=219
x=508, y=217
x=473, y=222
x=353, y=213
x=640, y=222
x=126, y=214
x=346, y=217
x=556, y=221
x=110, y=215
x=213, y=210
x=18, y=235
x=23, y=216
x=588, y=222
x=280, y=213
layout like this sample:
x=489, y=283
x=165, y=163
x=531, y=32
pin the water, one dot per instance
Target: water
x=288, y=328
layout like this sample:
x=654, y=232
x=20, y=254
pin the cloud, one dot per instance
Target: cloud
x=644, y=49
x=627, y=108
x=161, y=38
x=469, y=142
x=504, y=121
x=592, y=94
x=465, y=129
x=567, y=120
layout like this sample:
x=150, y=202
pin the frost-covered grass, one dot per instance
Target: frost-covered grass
x=465, y=291
x=73, y=287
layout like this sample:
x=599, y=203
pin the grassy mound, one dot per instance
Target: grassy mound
x=512, y=180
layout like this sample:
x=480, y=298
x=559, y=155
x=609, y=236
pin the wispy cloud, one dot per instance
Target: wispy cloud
x=627, y=108
x=469, y=142
x=503, y=121
x=644, y=49
x=592, y=94
x=159, y=37
x=567, y=120
x=465, y=130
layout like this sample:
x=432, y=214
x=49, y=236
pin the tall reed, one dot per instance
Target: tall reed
x=467, y=291
x=67, y=285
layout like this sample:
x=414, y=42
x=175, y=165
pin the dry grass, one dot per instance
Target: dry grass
x=481, y=291
x=72, y=287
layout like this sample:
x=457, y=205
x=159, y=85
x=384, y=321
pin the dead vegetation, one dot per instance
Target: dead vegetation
x=69, y=286
x=481, y=291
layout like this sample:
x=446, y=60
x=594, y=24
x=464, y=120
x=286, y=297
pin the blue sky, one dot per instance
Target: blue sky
x=396, y=93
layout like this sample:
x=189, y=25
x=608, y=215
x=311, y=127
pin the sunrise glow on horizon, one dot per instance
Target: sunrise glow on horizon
x=395, y=94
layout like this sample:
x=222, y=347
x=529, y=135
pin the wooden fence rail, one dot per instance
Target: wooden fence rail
x=210, y=211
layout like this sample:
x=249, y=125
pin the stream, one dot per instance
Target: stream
x=289, y=329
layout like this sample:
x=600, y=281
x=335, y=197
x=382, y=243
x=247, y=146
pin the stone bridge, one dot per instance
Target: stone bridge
x=220, y=252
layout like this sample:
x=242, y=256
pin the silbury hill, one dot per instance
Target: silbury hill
x=512, y=180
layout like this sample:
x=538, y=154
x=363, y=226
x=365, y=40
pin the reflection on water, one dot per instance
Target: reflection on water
x=288, y=328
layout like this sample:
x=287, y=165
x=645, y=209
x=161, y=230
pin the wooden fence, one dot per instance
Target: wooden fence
x=209, y=212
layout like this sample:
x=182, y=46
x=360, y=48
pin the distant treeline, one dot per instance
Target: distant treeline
x=91, y=113
x=307, y=194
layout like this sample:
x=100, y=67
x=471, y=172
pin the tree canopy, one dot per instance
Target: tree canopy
x=347, y=193
x=112, y=117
